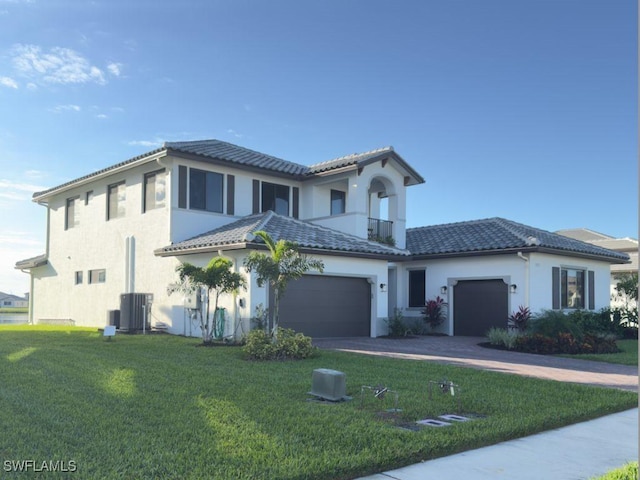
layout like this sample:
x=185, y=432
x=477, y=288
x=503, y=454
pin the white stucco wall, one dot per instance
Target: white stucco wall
x=239, y=317
x=98, y=243
x=532, y=279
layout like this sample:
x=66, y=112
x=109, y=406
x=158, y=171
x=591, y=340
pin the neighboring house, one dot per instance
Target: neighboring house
x=126, y=228
x=8, y=300
x=624, y=245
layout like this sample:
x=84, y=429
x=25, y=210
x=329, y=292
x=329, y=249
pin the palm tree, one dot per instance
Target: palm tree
x=283, y=263
x=217, y=277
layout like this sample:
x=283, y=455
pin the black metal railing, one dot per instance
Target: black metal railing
x=381, y=231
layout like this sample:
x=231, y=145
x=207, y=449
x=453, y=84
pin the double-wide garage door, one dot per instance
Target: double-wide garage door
x=479, y=305
x=327, y=306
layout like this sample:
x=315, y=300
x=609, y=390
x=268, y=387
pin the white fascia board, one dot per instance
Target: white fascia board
x=92, y=178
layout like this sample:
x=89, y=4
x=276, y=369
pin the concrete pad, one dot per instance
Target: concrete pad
x=579, y=451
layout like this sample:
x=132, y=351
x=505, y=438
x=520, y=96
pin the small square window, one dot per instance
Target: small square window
x=78, y=278
x=97, y=276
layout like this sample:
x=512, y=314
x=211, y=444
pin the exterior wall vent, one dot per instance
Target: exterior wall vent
x=329, y=385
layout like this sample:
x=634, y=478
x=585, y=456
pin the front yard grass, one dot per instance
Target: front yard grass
x=627, y=356
x=156, y=406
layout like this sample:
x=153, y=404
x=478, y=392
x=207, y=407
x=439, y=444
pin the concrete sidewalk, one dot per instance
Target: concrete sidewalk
x=581, y=451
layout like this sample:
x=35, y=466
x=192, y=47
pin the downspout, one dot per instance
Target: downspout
x=526, y=278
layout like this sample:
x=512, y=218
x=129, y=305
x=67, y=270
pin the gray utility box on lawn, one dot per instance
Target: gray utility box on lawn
x=329, y=384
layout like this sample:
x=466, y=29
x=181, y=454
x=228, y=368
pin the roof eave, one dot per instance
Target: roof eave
x=229, y=163
x=161, y=252
x=42, y=197
x=515, y=250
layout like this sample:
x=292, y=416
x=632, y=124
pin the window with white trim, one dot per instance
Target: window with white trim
x=417, y=288
x=572, y=288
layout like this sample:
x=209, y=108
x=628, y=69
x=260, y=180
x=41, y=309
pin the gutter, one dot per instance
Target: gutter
x=98, y=175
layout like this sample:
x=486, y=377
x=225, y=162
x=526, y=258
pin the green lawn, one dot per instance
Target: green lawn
x=157, y=406
x=628, y=472
x=627, y=356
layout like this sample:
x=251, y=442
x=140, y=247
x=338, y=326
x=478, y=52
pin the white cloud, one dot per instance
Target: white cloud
x=57, y=66
x=8, y=82
x=101, y=116
x=115, y=69
x=16, y=192
x=66, y=108
x=35, y=174
x=234, y=133
x=146, y=143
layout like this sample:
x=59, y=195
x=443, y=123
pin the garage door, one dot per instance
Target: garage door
x=479, y=305
x=326, y=306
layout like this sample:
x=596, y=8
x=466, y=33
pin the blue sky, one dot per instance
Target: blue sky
x=522, y=109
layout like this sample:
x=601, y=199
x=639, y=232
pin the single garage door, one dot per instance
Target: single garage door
x=479, y=305
x=326, y=306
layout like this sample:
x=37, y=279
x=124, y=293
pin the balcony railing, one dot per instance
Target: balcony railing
x=381, y=231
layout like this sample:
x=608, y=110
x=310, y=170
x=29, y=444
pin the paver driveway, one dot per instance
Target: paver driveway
x=465, y=351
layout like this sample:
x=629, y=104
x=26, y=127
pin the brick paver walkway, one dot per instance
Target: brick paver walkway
x=465, y=351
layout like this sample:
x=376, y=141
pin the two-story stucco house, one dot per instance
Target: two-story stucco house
x=126, y=228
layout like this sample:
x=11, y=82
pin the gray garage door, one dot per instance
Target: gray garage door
x=479, y=305
x=326, y=306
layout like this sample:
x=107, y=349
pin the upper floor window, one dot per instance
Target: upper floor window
x=71, y=213
x=116, y=197
x=205, y=190
x=572, y=288
x=338, y=202
x=417, y=284
x=276, y=198
x=88, y=197
x=154, y=190
x=78, y=277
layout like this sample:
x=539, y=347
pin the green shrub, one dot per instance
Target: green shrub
x=536, y=343
x=501, y=337
x=288, y=346
x=550, y=323
x=397, y=325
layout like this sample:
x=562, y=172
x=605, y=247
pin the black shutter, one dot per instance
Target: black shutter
x=182, y=186
x=256, y=196
x=296, y=201
x=555, y=288
x=231, y=192
x=591, y=280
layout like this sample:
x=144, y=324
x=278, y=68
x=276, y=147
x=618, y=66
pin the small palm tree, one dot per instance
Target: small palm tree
x=283, y=263
x=217, y=277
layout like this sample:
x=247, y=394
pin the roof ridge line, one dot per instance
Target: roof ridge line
x=355, y=154
x=334, y=231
